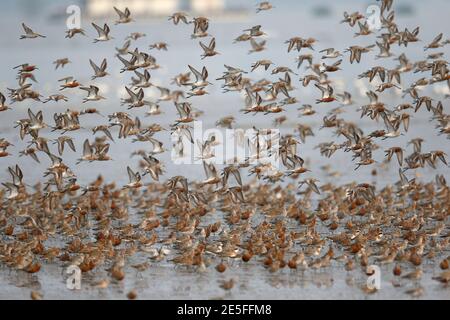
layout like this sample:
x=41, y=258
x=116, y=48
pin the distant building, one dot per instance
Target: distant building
x=102, y=8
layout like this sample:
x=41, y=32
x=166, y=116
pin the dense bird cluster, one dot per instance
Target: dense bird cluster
x=297, y=224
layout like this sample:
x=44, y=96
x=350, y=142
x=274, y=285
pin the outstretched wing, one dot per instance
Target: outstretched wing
x=120, y=13
x=104, y=65
x=94, y=66
x=131, y=175
x=87, y=149
x=196, y=73
x=99, y=30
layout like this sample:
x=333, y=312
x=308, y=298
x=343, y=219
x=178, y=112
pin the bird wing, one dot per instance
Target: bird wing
x=133, y=95
x=212, y=44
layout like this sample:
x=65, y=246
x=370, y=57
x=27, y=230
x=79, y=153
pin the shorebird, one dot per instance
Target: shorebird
x=61, y=62
x=135, y=179
x=104, y=129
x=209, y=50
x=331, y=68
x=142, y=80
x=398, y=151
x=184, y=110
x=136, y=100
x=124, y=16
x=154, y=109
x=261, y=63
x=61, y=141
x=352, y=18
x=330, y=53
x=124, y=49
x=159, y=46
x=177, y=17
x=327, y=93
x=255, y=31
x=129, y=65
x=435, y=43
x=4, y=144
x=257, y=46
x=384, y=50
x=97, y=152
x=92, y=93
x=3, y=106
x=69, y=82
x=182, y=79
x=357, y=51
x=311, y=183
x=264, y=6
x=99, y=72
x=201, y=25
x=344, y=223
x=298, y=43
x=346, y=98
x=242, y=37
x=74, y=31
x=364, y=29
x=226, y=122
x=157, y=145
x=56, y=98
x=212, y=176
x=26, y=67
x=200, y=78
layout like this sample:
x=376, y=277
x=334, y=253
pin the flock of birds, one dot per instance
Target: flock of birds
x=222, y=219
